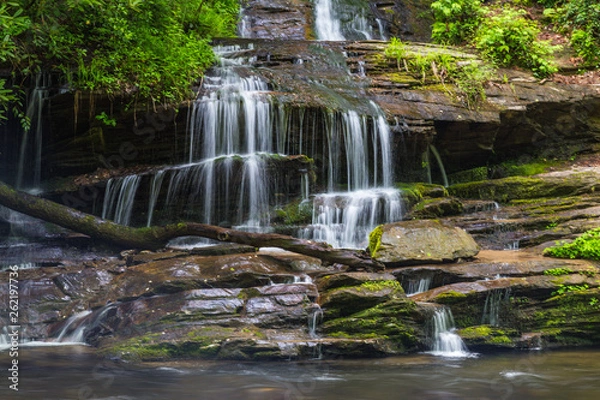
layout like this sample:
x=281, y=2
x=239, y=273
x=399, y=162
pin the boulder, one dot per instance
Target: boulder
x=420, y=242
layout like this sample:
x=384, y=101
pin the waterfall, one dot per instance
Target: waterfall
x=494, y=301
x=119, y=198
x=344, y=219
x=74, y=329
x=236, y=134
x=337, y=20
x=327, y=24
x=30, y=153
x=446, y=342
x=314, y=317
x=419, y=285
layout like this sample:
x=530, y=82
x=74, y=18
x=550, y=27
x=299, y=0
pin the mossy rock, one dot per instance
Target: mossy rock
x=346, y=301
x=436, y=208
x=489, y=336
x=517, y=187
x=420, y=242
x=392, y=321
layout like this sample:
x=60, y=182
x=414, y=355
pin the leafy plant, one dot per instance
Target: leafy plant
x=456, y=21
x=586, y=246
x=151, y=49
x=396, y=49
x=470, y=79
x=507, y=38
x=558, y=271
x=581, y=18
x=562, y=289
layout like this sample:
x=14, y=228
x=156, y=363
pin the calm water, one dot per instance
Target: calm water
x=73, y=372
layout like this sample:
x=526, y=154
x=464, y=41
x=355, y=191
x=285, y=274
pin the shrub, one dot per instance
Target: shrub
x=586, y=246
x=507, y=38
x=455, y=20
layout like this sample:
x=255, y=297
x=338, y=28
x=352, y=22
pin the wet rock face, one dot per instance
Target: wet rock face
x=278, y=19
x=419, y=242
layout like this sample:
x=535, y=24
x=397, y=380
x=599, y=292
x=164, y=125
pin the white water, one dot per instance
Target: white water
x=494, y=302
x=419, y=286
x=29, y=171
x=119, y=197
x=338, y=20
x=74, y=329
x=446, y=342
x=327, y=24
x=314, y=318
x=345, y=219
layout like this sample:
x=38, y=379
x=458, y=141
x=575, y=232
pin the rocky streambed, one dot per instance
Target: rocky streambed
x=474, y=248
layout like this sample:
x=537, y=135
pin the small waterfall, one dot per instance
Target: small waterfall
x=29, y=171
x=79, y=324
x=119, y=198
x=4, y=339
x=346, y=219
x=494, y=301
x=155, y=187
x=446, y=342
x=74, y=329
x=419, y=285
x=314, y=318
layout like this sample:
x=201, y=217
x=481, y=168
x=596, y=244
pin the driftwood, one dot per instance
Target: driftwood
x=155, y=238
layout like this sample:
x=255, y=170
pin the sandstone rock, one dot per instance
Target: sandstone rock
x=421, y=242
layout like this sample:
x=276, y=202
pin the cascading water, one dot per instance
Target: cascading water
x=236, y=129
x=494, y=301
x=314, y=318
x=419, y=285
x=74, y=329
x=446, y=342
x=343, y=20
x=119, y=198
x=344, y=219
x=29, y=172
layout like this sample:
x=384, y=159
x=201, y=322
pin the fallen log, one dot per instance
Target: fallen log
x=155, y=238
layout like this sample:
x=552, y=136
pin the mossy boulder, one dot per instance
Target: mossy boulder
x=435, y=208
x=421, y=242
x=538, y=186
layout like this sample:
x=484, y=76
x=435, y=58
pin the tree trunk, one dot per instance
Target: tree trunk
x=155, y=238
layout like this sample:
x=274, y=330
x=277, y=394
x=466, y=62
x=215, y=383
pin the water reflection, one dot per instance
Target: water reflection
x=76, y=373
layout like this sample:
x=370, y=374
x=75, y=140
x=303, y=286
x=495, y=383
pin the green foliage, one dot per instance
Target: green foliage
x=580, y=18
x=470, y=80
x=586, y=246
x=562, y=289
x=396, y=50
x=507, y=38
x=12, y=24
x=106, y=120
x=558, y=271
x=455, y=20
x=152, y=49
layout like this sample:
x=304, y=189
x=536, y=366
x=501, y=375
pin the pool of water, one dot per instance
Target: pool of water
x=75, y=372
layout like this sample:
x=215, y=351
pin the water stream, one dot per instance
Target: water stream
x=446, y=342
x=76, y=373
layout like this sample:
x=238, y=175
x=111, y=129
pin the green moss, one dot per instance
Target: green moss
x=513, y=188
x=294, y=213
x=376, y=286
x=375, y=240
x=450, y=297
x=485, y=334
x=558, y=271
